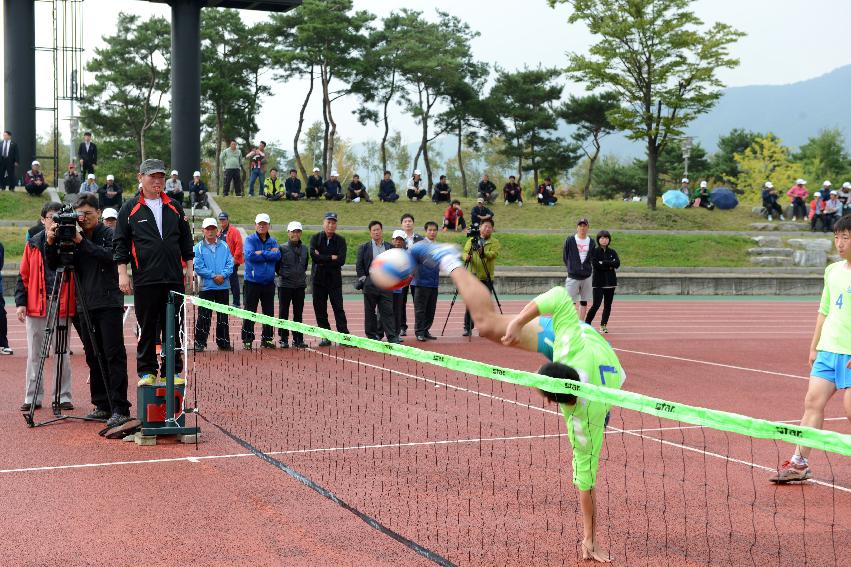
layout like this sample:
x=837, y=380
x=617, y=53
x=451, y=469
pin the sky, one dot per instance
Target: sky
x=787, y=41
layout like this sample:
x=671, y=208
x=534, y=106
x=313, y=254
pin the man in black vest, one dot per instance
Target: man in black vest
x=87, y=154
x=375, y=299
x=8, y=162
x=328, y=253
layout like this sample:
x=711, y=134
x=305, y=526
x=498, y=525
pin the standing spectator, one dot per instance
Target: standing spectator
x=817, y=210
x=684, y=187
x=231, y=159
x=36, y=280
x=87, y=153
x=512, y=192
x=399, y=295
x=577, y=259
x=110, y=194
x=292, y=281
x=832, y=211
x=71, y=181
x=272, y=187
x=261, y=255
x=442, y=192
x=769, y=201
x=174, y=188
x=34, y=181
x=110, y=218
x=4, y=324
x=328, y=253
x=487, y=189
x=481, y=254
x=198, y=192
x=427, y=281
x=233, y=237
x=411, y=238
x=292, y=187
x=480, y=212
x=701, y=196
x=214, y=265
x=375, y=300
x=257, y=167
x=333, y=189
x=315, y=185
x=416, y=187
x=798, y=194
x=89, y=186
x=357, y=192
x=845, y=197
x=153, y=234
x=604, y=280
x=453, y=217
x=547, y=193
x=8, y=162
x=387, y=189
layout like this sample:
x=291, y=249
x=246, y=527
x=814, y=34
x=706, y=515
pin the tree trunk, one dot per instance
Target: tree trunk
x=461, y=160
x=427, y=163
x=652, y=157
x=329, y=119
x=296, y=153
x=219, y=135
x=591, y=162
x=324, y=84
x=387, y=122
x=417, y=156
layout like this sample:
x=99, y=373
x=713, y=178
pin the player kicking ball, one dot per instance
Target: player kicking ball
x=577, y=352
x=830, y=352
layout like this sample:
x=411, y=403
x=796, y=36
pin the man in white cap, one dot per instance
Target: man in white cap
x=684, y=187
x=832, y=210
x=845, y=197
x=89, y=186
x=798, y=193
x=34, y=181
x=769, y=201
x=110, y=194
x=110, y=218
x=701, y=196
x=198, y=191
x=416, y=187
x=315, y=185
x=261, y=255
x=333, y=189
x=291, y=282
x=174, y=188
x=214, y=265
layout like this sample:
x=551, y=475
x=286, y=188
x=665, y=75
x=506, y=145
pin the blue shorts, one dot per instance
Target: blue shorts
x=833, y=367
x=547, y=337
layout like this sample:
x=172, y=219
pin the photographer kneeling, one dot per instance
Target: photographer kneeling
x=97, y=273
x=480, y=252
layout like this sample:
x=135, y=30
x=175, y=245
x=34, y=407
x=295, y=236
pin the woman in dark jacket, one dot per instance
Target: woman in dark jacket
x=604, y=280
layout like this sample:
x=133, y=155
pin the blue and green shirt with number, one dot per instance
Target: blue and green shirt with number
x=579, y=346
x=836, y=307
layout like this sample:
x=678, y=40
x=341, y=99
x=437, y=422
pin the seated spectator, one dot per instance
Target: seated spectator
x=110, y=218
x=198, y=192
x=272, y=187
x=110, y=194
x=832, y=211
x=701, y=197
x=480, y=212
x=512, y=192
x=442, y=192
x=487, y=190
x=292, y=187
x=357, y=192
x=816, y=210
x=174, y=188
x=684, y=187
x=72, y=181
x=547, y=193
x=798, y=194
x=416, y=187
x=769, y=201
x=387, y=189
x=333, y=189
x=89, y=186
x=845, y=197
x=34, y=181
x=453, y=217
x=315, y=185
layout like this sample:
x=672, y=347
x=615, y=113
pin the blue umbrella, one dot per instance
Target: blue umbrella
x=675, y=199
x=723, y=198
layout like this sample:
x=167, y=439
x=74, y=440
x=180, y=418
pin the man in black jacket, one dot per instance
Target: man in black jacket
x=109, y=195
x=487, y=190
x=328, y=252
x=357, y=192
x=8, y=162
x=374, y=298
x=315, y=185
x=387, y=189
x=292, y=187
x=577, y=258
x=98, y=277
x=153, y=235
x=292, y=281
x=87, y=154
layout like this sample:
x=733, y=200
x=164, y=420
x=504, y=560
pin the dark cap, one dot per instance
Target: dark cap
x=223, y=216
x=331, y=216
x=150, y=166
x=582, y=221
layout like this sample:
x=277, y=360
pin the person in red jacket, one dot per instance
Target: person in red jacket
x=34, y=286
x=453, y=217
x=233, y=237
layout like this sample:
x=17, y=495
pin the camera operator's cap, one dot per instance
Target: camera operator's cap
x=826, y=183
x=769, y=185
x=110, y=177
x=35, y=162
x=90, y=176
x=703, y=183
x=262, y=217
x=417, y=172
x=582, y=221
x=110, y=213
x=399, y=234
x=196, y=174
x=223, y=216
x=315, y=169
x=150, y=166
x=800, y=182
x=209, y=221
x=685, y=180
x=480, y=200
x=294, y=225
x=331, y=216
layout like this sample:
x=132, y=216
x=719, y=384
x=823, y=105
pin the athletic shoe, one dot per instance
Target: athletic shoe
x=506, y=202
x=301, y=344
x=227, y=348
x=520, y=204
x=66, y=406
x=791, y=472
x=283, y=344
x=430, y=337
x=782, y=217
x=604, y=330
x=246, y=346
x=770, y=218
x=26, y=407
x=324, y=343
x=178, y=380
x=403, y=332
x=395, y=340
x=117, y=419
x=199, y=347
x=267, y=344
x=6, y=350
x=467, y=333
x=146, y=380
x=98, y=414
x=445, y=256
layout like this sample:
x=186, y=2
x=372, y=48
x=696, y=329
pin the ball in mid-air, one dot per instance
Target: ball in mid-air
x=392, y=269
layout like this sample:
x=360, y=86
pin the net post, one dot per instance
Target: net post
x=169, y=359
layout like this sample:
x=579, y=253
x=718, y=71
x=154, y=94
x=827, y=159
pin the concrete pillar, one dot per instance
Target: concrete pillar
x=185, y=87
x=19, y=77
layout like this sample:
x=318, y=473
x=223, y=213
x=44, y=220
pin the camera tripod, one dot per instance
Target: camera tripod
x=488, y=283
x=58, y=326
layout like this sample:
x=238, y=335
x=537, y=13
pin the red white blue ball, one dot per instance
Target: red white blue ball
x=392, y=269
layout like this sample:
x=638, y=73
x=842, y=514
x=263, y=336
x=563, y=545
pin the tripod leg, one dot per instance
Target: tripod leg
x=50, y=327
x=452, y=304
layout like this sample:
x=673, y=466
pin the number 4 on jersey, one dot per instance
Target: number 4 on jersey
x=839, y=301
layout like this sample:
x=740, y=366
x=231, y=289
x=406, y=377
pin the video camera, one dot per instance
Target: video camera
x=475, y=236
x=66, y=230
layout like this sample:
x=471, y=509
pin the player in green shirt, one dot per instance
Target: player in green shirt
x=830, y=352
x=577, y=352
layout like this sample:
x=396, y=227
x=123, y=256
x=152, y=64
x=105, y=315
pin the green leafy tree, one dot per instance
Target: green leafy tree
x=590, y=115
x=399, y=154
x=824, y=156
x=767, y=159
x=615, y=179
x=723, y=163
x=663, y=66
x=313, y=146
x=670, y=166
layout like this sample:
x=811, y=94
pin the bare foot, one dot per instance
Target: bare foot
x=593, y=552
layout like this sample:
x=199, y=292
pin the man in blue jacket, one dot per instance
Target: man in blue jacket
x=426, y=281
x=214, y=265
x=261, y=255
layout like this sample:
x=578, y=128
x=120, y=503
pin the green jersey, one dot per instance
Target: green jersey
x=836, y=332
x=579, y=346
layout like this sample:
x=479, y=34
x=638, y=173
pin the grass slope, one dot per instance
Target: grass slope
x=20, y=206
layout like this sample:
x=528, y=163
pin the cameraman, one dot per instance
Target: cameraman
x=97, y=274
x=480, y=252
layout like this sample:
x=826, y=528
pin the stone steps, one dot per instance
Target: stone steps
x=771, y=251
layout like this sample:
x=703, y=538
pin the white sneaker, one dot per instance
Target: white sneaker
x=520, y=204
x=794, y=219
x=6, y=350
x=782, y=217
x=770, y=218
x=506, y=202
